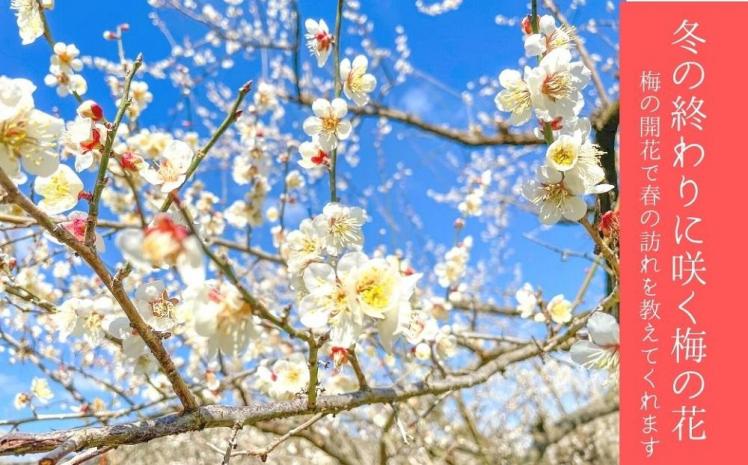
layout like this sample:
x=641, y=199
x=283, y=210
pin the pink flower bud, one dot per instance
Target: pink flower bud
x=90, y=109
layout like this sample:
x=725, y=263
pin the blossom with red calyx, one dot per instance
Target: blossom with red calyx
x=339, y=355
x=527, y=25
x=557, y=123
x=76, y=225
x=168, y=243
x=312, y=155
x=84, y=137
x=319, y=40
x=129, y=161
x=91, y=110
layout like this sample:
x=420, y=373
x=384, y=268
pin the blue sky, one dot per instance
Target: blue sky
x=453, y=49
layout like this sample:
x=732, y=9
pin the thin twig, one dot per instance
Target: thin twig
x=93, y=206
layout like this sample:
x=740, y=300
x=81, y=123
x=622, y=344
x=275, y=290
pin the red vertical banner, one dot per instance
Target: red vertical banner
x=684, y=86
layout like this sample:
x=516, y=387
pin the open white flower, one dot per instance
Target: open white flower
x=556, y=195
x=303, y=246
x=555, y=85
x=154, y=305
x=84, y=318
x=601, y=350
x=265, y=97
x=29, y=19
x=27, y=136
x=65, y=58
x=340, y=384
x=527, y=300
x=357, y=83
x=65, y=83
x=340, y=227
x=328, y=305
x=141, y=97
x=377, y=288
x=40, y=390
x=515, y=98
x=452, y=269
x=327, y=124
x=170, y=172
x=559, y=309
x=289, y=377
x=59, y=191
x=222, y=316
x=319, y=40
x=579, y=157
x=241, y=213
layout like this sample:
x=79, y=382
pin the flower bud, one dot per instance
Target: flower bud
x=91, y=110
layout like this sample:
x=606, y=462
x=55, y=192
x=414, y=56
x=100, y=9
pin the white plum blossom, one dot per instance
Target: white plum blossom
x=66, y=83
x=527, y=300
x=164, y=243
x=28, y=136
x=222, y=316
x=577, y=156
x=266, y=98
x=328, y=304
x=29, y=19
x=559, y=309
x=59, y=191
x=357, y=83
x=155, y=306
x=171, y=170
x=65, y=58
x=379, y=290
x=601, y=350
x=556, y=195
x=340, y=227
x=327, y=124
x=452, y=269
x=515, y=97
x=319, y=40
x=141, y=97
x=40, y=390
x=84, y=318
x=285, y=379
x=303, y=246
x=291, y=376
x=555, y=85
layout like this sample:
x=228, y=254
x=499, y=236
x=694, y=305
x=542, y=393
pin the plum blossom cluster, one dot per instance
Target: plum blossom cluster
x=551, y=92
x=530, y=304
x=473, y=202
x=340, y=289
x=39, y=391
x=63, y=71
x=451, y=271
